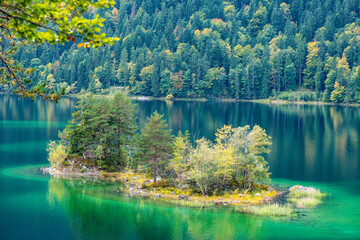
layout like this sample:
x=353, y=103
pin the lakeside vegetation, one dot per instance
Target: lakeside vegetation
x=272, y=210
x=102, y=135
x=305, y=197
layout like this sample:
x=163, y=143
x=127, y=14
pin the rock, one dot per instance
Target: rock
x=257, y=195
x=295, y=187
x=302, y=188
x=183, y=196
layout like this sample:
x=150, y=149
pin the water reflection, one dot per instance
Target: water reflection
x=310, y=143
x=95, y=212
x=17, y=108
x=314, y=143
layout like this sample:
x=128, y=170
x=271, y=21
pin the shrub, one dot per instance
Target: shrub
x=170, y=97
x=57, y=154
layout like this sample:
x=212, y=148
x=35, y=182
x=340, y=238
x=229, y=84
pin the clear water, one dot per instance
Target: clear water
x=312, y=145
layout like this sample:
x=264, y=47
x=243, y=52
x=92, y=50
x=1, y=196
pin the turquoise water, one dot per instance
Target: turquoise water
x=312, y=145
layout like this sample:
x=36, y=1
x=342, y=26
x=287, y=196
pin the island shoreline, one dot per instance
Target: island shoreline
x=137, y=185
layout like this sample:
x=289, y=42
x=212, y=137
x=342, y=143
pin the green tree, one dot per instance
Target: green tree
x=343, y=70
x=109, y=123
x=329, y=85
x=338, y=95
x=224, y=157
x=182, y=151
x=27, y=22
x=355, y=82
x=312, y=60
x=202, y=166
x=300, y=55
x=289, y=74
x=250, y=147
x=155, y=145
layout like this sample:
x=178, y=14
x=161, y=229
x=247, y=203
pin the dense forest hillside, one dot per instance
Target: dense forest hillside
x=210, y=48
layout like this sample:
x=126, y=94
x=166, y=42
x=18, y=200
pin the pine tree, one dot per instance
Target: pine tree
x=290, y=74
x=105, y=123
x=155, y=145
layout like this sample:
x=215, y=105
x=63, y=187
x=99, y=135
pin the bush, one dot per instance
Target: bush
x=296, y=96
x=170, y=97
x=57, y=154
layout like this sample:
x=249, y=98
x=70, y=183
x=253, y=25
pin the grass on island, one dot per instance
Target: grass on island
x=309, y=198
x=272, y=210
x=190, y=204
x=193, y=199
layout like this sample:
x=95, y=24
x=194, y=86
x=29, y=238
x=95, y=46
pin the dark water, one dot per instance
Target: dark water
x=312, y=145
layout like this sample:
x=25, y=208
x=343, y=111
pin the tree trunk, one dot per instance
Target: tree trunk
x=202, y=191
x=154, y=169
x=300, y=75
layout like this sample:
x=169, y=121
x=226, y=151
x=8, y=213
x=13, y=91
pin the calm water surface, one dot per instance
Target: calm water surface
x=312, y=145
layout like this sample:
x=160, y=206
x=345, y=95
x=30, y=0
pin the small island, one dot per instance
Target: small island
x=102, y=141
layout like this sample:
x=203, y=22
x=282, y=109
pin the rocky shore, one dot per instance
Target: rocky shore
x=72, y=173
x=138, y=185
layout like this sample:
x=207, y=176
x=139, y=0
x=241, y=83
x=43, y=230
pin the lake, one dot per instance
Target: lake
x=312, y=145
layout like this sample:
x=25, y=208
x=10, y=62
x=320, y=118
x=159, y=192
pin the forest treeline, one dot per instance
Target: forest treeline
x=243, y=49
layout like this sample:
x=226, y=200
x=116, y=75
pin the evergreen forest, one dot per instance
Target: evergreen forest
x=240, y=49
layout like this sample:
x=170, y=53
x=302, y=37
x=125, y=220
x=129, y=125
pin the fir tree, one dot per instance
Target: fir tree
x=155, y=144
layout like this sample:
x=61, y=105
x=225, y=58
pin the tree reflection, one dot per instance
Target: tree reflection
x=96, y=212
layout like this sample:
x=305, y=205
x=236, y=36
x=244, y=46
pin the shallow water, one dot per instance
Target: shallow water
x=312, y=145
